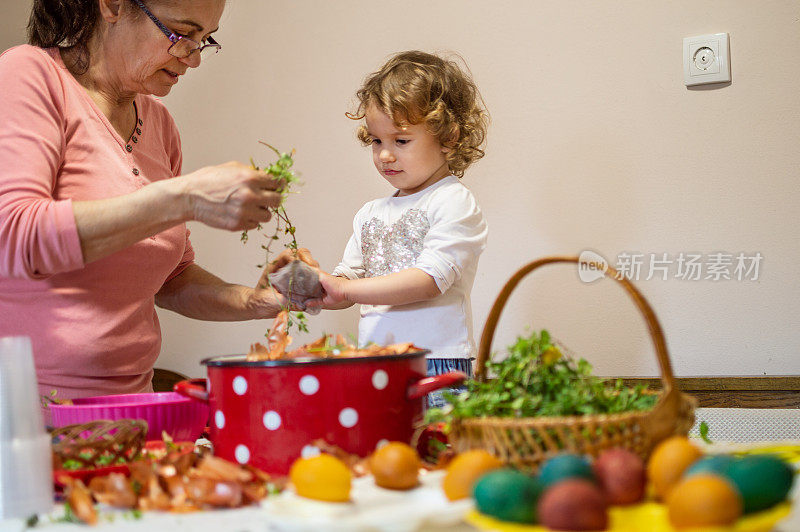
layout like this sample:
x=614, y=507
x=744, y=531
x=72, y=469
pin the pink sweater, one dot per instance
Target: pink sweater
x=94, y=327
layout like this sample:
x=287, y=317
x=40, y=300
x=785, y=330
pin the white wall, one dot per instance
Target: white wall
x=595, y=143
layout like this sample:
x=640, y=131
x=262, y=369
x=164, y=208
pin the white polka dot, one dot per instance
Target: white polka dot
x=272, y=420
x=380, y=379
x=309, y=385
x=219, y=419
x=309, y=451
x=381, y=443
x=239, y=385
x=242, y=454
x=348, y=417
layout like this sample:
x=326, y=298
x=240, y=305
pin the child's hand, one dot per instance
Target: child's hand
x=335, y=296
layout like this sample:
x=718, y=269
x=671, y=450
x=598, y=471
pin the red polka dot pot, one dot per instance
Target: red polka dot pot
x=268, y=413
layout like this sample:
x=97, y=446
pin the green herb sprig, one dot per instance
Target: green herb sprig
x=537, y=380
x=281, y=170
x=108, y=458
x=704, y=432
x=67, y=517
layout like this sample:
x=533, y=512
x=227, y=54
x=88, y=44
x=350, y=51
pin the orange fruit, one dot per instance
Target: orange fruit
x=322, y=477
x=704, y=500
x=395, y=466
x=464, y=470
x=669, y=460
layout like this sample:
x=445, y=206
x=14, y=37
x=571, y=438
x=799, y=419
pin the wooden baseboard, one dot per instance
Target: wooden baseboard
x=735, y=392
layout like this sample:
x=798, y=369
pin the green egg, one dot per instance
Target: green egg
x=565, y=466
x=508, y=495
x=762, y=480
x=716, y=463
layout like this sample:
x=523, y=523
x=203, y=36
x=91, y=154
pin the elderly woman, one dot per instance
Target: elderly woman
x=93, y=204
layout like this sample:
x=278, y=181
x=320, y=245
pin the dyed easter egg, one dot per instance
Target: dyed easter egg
x=395, y=466
x=563, y=467
x=465, y=469
x=508, y=495
x=668, y=462
x=573, y=504
x=703, y=500
x=716, y=463
x=763, y=480
x=621, y=475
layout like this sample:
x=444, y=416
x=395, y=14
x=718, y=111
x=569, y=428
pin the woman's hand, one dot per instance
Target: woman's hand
x=199, y=294
x=286, y=256
x=229, y=196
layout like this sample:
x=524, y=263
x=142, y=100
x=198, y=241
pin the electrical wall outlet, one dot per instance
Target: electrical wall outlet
x=706, y=59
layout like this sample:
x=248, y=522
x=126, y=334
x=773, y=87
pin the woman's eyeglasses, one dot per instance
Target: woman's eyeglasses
x=182, y=46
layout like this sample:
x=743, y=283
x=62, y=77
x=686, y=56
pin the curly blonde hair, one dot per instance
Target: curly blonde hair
x=415, y=87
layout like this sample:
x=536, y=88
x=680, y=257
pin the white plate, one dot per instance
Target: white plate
x=371, y=509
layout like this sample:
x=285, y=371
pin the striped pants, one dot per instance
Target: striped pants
x=437, y=366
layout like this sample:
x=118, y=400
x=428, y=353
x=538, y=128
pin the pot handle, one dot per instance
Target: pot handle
x=193, y=389
x=427, y=385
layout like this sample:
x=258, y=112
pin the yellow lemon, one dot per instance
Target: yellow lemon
x=465, y=469
x=322, y=477
x=395, y=466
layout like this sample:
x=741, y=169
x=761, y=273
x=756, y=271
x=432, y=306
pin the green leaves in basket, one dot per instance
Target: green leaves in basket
x=536, y=379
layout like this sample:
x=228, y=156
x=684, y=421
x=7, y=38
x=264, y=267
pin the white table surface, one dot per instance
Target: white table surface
x=374, y=510
x=423, y=509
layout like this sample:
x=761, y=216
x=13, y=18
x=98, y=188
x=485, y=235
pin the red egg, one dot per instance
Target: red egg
x=573, y=504
x=621, y=475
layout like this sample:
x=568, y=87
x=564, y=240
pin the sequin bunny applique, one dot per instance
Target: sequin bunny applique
x=390, y=249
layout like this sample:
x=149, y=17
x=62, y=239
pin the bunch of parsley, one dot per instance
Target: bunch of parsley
x=536, y=379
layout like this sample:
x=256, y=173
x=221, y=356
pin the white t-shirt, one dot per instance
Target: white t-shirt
x=439, y=230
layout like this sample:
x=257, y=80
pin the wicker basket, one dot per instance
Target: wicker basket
x=527, y=442
x=98, y=441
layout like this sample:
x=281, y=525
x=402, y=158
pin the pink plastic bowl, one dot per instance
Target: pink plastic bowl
x=182, y=418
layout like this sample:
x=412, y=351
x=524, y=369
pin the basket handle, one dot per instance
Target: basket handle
x=653, y=326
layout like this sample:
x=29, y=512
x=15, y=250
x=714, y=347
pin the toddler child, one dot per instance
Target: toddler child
x=413, y=255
